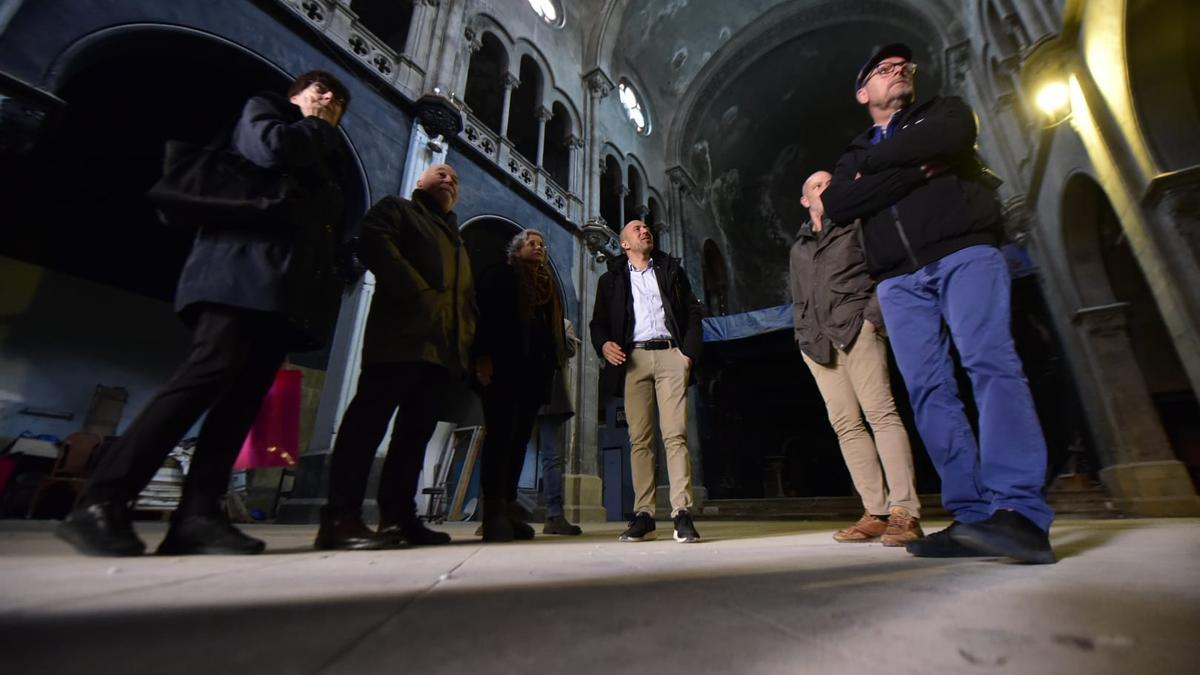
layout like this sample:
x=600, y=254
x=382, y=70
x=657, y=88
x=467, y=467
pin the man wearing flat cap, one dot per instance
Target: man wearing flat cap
x=931, y=226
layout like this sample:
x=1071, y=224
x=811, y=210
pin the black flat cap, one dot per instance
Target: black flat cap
x=895, y=49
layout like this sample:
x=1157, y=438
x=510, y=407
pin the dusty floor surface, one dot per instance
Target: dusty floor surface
x=753, y=597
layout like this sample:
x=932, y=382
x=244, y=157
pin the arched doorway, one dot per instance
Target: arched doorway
x=81, y=197
x=487, y=239
x=1138, y=368
x=1164, y=77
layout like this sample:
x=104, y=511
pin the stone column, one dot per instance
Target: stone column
x=310, y=487
x=1142, y=475
x=1173, y=205
x=575, y=178
x=510, y=83
x=543, y=115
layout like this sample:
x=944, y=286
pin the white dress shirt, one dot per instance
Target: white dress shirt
x=649, y=318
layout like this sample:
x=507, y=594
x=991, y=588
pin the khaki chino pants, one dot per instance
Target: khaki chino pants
x=859, y=378
x=658, y=378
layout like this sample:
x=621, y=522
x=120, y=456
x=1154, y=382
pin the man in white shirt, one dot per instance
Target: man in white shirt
x=646, y=326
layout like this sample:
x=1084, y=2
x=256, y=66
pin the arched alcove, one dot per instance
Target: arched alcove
x=388, y=20
x=610, y=193
x=1106, y=271
x=556, y=155
x=1164, y=76
x=484, y=94
x=635, y=205
x=522, y=115
x=80, y=200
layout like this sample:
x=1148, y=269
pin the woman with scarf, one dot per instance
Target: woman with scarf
x=519, y=344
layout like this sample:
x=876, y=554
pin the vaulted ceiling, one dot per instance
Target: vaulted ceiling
x=752, y=96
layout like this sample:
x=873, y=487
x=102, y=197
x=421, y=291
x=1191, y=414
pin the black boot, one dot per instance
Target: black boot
x=411, y=530
x=345, y=531
x=516, y=518
x=207, y=534
x=496, y=526
x=101, y=529
x=560, y=525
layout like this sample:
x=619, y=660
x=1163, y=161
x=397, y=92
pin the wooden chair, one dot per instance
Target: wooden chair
x=70, y=470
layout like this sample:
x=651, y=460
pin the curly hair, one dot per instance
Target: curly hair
x=518, y=241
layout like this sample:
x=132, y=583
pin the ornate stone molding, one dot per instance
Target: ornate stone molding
x=599, y=83
x=511, y=81
x=681, y=178
x=543, y=113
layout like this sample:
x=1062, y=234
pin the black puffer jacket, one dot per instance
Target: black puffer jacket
x=286, y=269
x=612, y=315
x=910, y=221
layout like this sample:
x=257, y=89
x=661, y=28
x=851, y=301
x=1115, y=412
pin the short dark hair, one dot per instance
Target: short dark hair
x=340, y=92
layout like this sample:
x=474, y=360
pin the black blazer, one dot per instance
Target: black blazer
x=612, y=315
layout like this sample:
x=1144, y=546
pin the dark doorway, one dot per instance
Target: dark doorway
x=79, y=198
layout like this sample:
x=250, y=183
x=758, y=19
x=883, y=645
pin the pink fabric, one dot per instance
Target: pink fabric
x=274, y=439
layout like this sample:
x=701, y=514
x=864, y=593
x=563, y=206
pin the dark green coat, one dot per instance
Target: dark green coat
x=424, y=304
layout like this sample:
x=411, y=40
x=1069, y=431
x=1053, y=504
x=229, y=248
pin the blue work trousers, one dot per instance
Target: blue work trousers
x=965, y=297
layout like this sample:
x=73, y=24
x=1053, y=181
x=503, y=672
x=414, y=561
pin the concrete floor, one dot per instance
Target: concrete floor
x=755, y=597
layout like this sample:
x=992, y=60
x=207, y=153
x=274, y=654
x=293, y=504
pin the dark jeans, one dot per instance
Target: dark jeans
x=416, y=389
x=235, y=354
x=968, y=291
x=509, y=411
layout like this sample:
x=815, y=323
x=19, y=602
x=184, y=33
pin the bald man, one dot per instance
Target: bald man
x=418, y=339
x=837, y=321
x=646, y=326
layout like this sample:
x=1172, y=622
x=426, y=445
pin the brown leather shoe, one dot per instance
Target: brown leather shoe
x=868, y=528
x=902, y=528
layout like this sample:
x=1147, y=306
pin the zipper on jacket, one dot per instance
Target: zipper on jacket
x=912, y=257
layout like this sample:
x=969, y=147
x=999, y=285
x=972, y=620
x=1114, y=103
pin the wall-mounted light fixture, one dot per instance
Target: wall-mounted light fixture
x=1053, y=98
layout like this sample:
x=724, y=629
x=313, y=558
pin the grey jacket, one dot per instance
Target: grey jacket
x=831, y=290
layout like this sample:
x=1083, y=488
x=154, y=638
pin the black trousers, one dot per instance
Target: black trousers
x=417, y=390
x=235, y=355
x=509, y=411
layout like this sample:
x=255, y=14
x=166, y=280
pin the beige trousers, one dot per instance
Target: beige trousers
x=658, y=379
x=859, y=378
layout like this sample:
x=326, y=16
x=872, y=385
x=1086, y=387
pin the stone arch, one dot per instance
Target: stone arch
x=635, y=186
x=556, y=156
x=106, y=159
x=611, y=182
x=523, y=109
x=388, y=20
x=1163, y=57
x=1132, y=352
x=791, y=20
x=486, y=238
x=524, y=49
x=486, y=76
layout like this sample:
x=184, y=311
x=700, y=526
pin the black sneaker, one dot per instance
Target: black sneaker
x=942, y=545
x=101, y=529
x=641, y=528
x=1010, y=534
x=685, y=531
x=207, y=534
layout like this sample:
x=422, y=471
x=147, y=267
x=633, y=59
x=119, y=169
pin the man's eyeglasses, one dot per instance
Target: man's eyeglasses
x=884, y=69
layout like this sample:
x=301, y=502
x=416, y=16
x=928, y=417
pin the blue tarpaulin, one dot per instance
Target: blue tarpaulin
x=737, y=326
x=748, y=324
